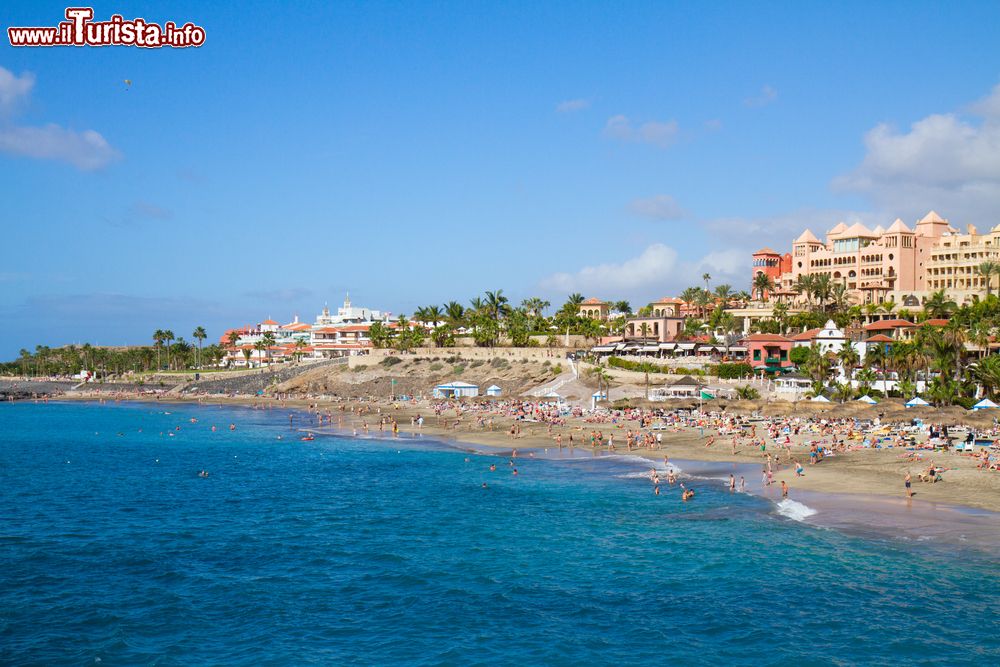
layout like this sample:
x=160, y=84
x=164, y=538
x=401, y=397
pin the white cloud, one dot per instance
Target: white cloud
x=656, y=272
x=656, y=133
x=660, y=207
x=713, y=125
x=766, y=96
x=780, y=230
x=14, y=89
x=86, y=150
x=654, y=265
x=569, y=106
x=723, y=263
x=943, y=162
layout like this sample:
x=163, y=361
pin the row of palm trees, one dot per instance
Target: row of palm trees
x=72, y=359
x=162, y=338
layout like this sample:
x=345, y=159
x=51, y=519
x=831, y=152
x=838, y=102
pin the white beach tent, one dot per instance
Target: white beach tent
x=985, y=403
x=455, y=390
x=597, y=396
x=820, y=399
x=915, y=401
x=868, y=399
x=493, y=390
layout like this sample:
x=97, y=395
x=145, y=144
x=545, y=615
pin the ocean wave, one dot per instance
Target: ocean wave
x=655, y=464
x=794, y=510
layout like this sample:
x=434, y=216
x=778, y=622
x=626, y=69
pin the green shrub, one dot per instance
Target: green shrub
x=435, y=367
x=477, y=363
x=557, y=369
x=798, y=355
x=965, y=401
x=638, y=366
x=498, y=362
x=390, y=361
x=358, y=369
x=458, y=369
x=733, y=371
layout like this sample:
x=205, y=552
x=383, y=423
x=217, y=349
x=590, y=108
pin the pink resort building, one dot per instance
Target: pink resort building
x=876, y=265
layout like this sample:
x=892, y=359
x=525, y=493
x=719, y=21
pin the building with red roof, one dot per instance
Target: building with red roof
x=768, y=352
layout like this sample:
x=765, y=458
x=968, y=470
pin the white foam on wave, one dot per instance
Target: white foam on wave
x=648, y=464
x=638, y=475
x=794, y=510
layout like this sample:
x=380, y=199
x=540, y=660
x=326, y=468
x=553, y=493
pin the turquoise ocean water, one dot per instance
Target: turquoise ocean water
x=348, y=551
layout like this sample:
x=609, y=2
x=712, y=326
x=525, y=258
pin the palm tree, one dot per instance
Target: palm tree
x=987, y=269
x=706, y=277
x=865, y=378
x=200, y=335
x=703, y=299
x=848, y=358
x=268, y=340
x=724, y=293
x=233, y=337
x=496, y=308
x=938, y=305
x=644, y=330
x=455, y=312
x=987, y=373
x=804, y=285
x=840, y=297
x=843, y=391
x=763, y=285
x=300, y=345
x=158, y=337
x=535, y=306
x=429, y=315
x=623, y=307
x=246, y=355
x=260, y=346
x=690, y=295
x=729, y=326
x=168, y=337
x=817, y=365
x=780, y=313
x=822, y=288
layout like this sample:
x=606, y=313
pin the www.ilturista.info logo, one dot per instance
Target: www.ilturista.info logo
x=79, y=29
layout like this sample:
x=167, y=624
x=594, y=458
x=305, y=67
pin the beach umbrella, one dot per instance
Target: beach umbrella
x=916, y=401
x=984, y=404
x=867, y=399
x=820, y=399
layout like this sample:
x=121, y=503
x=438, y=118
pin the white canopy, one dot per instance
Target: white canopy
x=867, y=399
x=916, y=400
x=820, y=399
x=985, y=403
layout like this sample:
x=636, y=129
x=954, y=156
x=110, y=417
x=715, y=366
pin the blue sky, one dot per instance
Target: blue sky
x=414, y=153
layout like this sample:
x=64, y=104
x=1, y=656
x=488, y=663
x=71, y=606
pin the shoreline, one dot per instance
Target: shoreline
x=840, y=499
